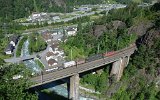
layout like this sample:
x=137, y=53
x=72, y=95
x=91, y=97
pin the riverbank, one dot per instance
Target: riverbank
x=87, y=93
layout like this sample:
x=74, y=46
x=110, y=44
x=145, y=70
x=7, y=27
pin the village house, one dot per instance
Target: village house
x=13, y=41
x=37, y=17
x=71, y=31
x=49, y=55
x=53, y=47
x=47, y=36
x=52, y=62
x=56, y=32
x=9, y=49
x=56, y=17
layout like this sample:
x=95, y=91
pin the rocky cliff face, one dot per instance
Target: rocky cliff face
x=141, y=28
x=150, y=36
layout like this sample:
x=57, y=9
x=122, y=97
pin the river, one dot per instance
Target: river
x=53, y=88
x=30, y=63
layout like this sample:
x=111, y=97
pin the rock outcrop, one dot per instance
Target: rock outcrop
x=141, y=28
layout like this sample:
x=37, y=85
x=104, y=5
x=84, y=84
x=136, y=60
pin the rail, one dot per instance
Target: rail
x=63, y=73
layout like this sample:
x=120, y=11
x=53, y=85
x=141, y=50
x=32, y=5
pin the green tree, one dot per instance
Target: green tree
x=15, y=89
x=101, y=83
x=158, y=95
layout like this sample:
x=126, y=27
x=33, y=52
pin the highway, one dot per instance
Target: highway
x=114, y=6
x=63, y=73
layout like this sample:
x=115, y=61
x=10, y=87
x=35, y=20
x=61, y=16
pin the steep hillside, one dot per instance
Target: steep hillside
x=13, y=9
x=142, y=75
x=141, y=78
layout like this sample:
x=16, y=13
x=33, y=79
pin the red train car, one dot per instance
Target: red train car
x=80, y=61
x=109, y=53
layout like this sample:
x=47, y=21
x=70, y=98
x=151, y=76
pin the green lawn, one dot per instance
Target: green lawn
x=39, y=63
x=20, y=45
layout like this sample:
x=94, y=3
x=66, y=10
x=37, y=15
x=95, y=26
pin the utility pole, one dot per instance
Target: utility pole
x=41, y=76
x=98, y=48
x=118, y=43
x=107, y=12
x=130, y=38
x=71, y=54
x=36, y=39
x=4, y=27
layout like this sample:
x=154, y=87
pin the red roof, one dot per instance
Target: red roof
x=51, y=61
x=46, y=36
x=49, y=54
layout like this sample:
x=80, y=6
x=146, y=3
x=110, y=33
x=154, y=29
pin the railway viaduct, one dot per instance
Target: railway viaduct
x=120, y=60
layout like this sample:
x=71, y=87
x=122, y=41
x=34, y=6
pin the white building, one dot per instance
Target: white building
x=13, y=43
x=47, y=36
x=53, y=48
x=55, y=18
x=37, y=16
x=71, y=31
x=49, y=55
x=9, y=49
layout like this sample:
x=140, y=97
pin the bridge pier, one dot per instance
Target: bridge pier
x=118, y=67
x=74, y=87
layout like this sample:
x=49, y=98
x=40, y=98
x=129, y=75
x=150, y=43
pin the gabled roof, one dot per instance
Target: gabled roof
x=49, y=54
x=46, y=36
x=9, y=48
x=53, y=46
x=71, y=29
x=14, y=38
x=52, y=61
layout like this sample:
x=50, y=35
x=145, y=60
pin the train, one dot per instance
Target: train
x=89, y=59
x=81, y=61
x=92, y=58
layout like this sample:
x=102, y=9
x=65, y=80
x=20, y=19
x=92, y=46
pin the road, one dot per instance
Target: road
x=106, y=8
x=63, y=73
x=71, y=18
x=19, y=59
x=42, y=29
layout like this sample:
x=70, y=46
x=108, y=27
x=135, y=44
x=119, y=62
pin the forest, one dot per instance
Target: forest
x=14, y=9
x=139, y=81
x=144, y=64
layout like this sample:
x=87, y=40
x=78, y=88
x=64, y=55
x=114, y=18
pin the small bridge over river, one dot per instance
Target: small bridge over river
x=20, y=59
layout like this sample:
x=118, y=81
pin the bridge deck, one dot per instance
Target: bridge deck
x=52, y=76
